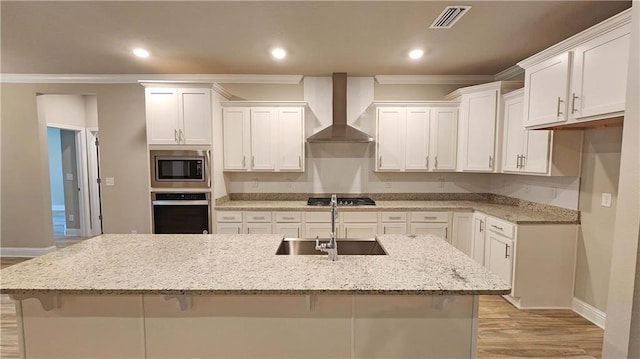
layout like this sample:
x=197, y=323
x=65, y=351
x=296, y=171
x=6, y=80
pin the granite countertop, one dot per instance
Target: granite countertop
x=246, y=264
x=514, y=214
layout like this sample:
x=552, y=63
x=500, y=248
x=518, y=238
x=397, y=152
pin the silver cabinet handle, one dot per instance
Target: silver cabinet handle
x=175, y=135
x=227, y=218
x=430, y=217
x=446, y=233
x=558, y=112
x=380, y=162
x=181, y=136
x=573, y=103
x=436, y=163
x=427, y=166
x=518, y=161
x=257, y=218
x=522, y=161
x=496, y=227
x=395, y=218
x=288, y=218
x=253, y=161
x=244, y=158
x=300, y=161
x=506, y=251
x=481, y=223
x=490, y=161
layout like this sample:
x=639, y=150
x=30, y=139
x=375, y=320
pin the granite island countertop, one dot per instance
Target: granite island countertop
x=514, y=214
x=247, y=264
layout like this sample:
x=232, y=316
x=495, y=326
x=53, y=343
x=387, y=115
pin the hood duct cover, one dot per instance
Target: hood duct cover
x=339, y=131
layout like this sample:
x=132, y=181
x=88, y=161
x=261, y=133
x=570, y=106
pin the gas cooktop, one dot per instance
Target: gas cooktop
x=342, y=201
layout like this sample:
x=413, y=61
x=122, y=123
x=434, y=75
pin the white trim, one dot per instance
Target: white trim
x=222, y=91
x=508, y=74
x=262, y=103
x=57, y=207
x=505, y=86
x=433, y=79
x=73, y=232
x=594, y=31
x=415, y=103
x=136, y=78
x=24, y=251
x=589, y=312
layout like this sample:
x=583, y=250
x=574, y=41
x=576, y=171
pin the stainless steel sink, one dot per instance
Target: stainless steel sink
x=307, y=246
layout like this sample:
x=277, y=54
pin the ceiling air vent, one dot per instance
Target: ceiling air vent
x=449, y=17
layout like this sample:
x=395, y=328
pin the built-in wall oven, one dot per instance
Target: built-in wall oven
x=181, y=212
x=180, y=168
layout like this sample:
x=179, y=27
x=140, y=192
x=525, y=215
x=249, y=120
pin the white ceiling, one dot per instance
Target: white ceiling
x=235, y=37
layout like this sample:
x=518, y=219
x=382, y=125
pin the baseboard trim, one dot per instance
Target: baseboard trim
x=73, y=232
x=589, y=312
x=25, y=252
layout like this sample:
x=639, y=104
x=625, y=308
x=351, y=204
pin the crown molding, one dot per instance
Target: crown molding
x=262, y=103
x=222, y=91
x=150, y=78
x=433, y=79
x=508, y=74
x=504, y=86
x=594, y=31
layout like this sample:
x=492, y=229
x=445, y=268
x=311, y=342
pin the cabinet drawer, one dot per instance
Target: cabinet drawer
x=257, y=216
x=227, y=216
x=318, y=217
x=284, y=217
x=429, y=216
x=504, y=228
x=393, y=217
x=360, y=217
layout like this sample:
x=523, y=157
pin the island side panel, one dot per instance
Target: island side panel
x=249, y=326
x=84, y=326
x=415, y=326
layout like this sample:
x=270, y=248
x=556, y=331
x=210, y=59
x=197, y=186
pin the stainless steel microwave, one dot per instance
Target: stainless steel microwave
x=180, y=168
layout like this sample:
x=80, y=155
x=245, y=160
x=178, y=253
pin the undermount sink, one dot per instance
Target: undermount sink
x=307, y=246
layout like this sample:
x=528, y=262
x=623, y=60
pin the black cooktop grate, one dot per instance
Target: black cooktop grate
x=342, y=201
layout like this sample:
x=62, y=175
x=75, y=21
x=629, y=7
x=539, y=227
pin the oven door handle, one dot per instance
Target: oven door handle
x=180, y=203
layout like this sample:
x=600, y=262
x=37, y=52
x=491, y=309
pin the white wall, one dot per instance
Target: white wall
x=63, y=110
x=556, y=191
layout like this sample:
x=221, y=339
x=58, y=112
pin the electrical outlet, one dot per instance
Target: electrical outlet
x=606, y=200
x=71, y=218
x=110, y=181
x=69, y=176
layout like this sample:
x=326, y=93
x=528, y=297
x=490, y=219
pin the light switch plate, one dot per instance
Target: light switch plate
x=606, y=200
x=110, y=181
x=69, y=176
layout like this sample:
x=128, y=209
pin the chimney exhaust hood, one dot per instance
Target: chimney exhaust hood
x=339, y=131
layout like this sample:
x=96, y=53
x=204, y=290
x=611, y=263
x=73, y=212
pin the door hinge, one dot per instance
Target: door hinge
x=98, y=180
x=97, y=143
x=100, y=217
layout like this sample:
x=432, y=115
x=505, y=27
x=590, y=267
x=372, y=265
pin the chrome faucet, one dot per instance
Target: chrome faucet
x=332, y=246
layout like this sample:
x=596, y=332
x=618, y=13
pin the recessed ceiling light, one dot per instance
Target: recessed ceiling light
x=278, y=53
x=141, y=53
x=416, y=54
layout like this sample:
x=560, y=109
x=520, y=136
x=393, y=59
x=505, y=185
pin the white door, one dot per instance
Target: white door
x=195, y=116
x=499, y=256
x=162, y=116
x=360, y=230
x=290, y=230
x=389, y=145
x=536, y=158
x=393, y=228
x=599, y=80
x=479, y=121
x=417, y=138
x=291, y=139
x=263, y=137
x=236, y=137
x=462, y=236
x=514, y=135
x=320, y=230
x=229, y=228
x=437, y=229
x=444, y=138
x=478, y=245
x=258, y=228
x=545, y=91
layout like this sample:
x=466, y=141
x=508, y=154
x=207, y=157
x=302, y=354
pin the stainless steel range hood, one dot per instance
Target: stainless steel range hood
x=339, y=131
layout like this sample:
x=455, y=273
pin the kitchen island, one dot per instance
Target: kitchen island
x=227, y=296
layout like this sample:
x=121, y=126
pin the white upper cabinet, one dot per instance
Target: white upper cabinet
x=478, y=126
x=580, y=79
x=530, y=151
x=263, y=138
x=178, y=116
x=416, y=137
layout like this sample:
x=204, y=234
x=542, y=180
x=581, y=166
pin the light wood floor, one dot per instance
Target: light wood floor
x=503, y=330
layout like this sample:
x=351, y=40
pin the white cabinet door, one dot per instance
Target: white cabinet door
x=162, y=116
x=437, y=229
x=195, y=116
x=263, y=138
x=462, y=236
x=479, y=232
x=258, y=228
x=478, y=117
x=599, y=75
x=500, y=256
x=545, y=96
x=290, y=230
x=291, y=139
x=393, y=228
x=536, y=159
x=444, y=138
x=236, y=137
x=514, y=135
x=359, y=230
x=389, y=146
x=321, y=230
x=229, y=228
x=416, y=150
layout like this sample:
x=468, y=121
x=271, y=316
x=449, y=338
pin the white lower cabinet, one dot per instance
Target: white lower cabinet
x=393, y=223
x=229, y=228
x=258, y=222
x=228, y=222
x=359, y=224
x=288, y=223
x=500, y=255
x=479, y=234
x=434, y=223
x=462, y=232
